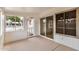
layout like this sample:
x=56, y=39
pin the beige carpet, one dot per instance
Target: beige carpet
x=36, y=44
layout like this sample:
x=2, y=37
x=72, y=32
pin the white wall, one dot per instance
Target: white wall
x=70, y=41
x=16, y=35
x=37, y=26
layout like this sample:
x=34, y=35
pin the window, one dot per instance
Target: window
x=14, y=23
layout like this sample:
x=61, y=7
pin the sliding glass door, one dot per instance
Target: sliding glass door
x=66, y=23
x=49, y=26
x=43, y=26
x=70, y=23
x=60, y=26
x=46, y=26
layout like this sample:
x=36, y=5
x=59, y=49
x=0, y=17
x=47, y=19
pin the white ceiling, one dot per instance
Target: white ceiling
x=26, y=9
x=35, y=10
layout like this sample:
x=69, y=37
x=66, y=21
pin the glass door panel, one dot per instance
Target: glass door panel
x=60, y=23
x=43, y=26
x=49, y=26
x=70, y=23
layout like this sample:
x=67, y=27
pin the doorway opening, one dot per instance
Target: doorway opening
x=31, y=26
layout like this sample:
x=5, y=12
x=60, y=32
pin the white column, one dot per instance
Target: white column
x=77, y=23
x=26, y=25
x=37, y=26
x=54, y=26
x=2, y=20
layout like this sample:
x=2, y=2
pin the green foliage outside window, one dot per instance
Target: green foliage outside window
x=13, y=18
